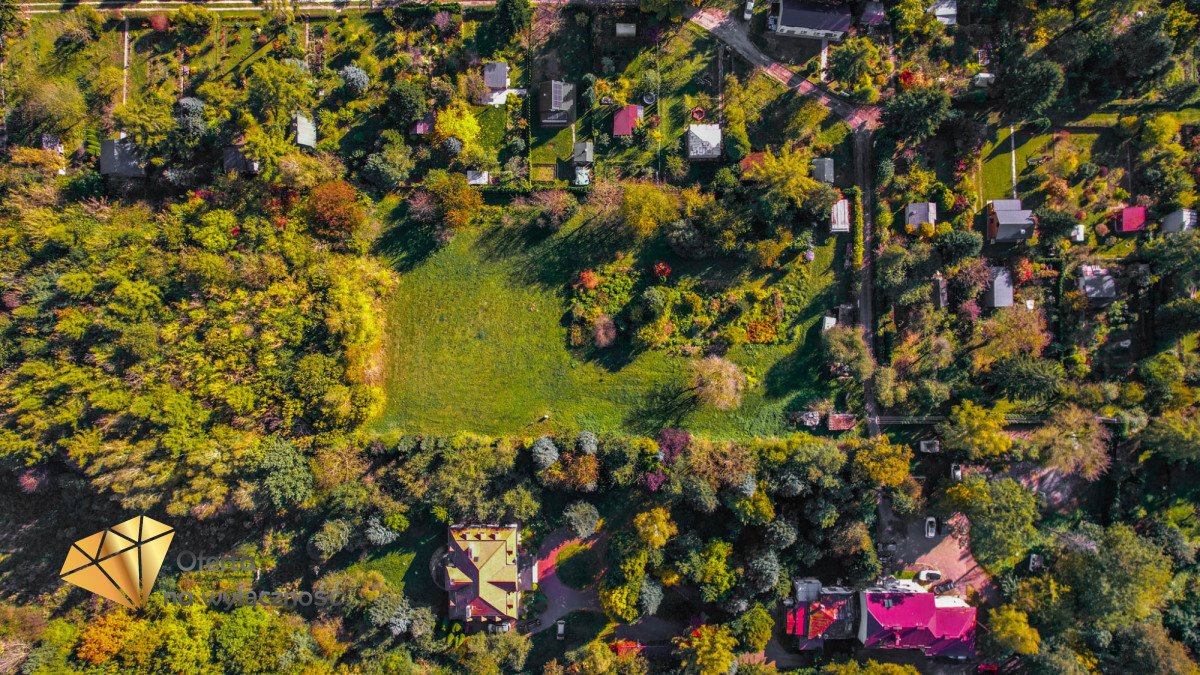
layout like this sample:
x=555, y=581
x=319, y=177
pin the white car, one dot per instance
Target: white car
x=927, y=576
x=749, y=10
x=930, y=527
x=956, y=471
x=560, y=628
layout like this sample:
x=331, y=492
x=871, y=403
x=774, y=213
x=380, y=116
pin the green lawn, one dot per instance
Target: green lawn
x=405, y=565
x=477, y=341
x=578, y=565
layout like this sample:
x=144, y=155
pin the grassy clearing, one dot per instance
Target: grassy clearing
x=477, y=341
x=405, y=565
x=578, y=565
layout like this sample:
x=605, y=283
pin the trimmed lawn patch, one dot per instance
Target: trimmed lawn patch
x=578, y=565
x=477, y=341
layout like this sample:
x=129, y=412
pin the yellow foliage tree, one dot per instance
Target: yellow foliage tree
x=655, y=527
x=457, y=120
x=785, y=175
x=879, y=462
x=1011, y=630
x=104, y=637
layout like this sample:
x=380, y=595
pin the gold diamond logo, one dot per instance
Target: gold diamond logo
x=120, y=563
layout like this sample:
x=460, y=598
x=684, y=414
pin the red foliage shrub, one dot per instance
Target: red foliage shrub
x=335, y=210
x=589, y=279
x=662, y=270
x=159, y=23
x=32, y=480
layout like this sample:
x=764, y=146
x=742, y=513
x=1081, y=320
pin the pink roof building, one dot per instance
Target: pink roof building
x=1133, y=219
x=903, y=618
x=626, y=119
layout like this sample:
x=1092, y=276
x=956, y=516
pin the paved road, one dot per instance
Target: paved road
x=735, y=33
x=561, y=599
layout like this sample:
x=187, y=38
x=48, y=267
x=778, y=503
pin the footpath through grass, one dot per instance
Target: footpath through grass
x=477, y=341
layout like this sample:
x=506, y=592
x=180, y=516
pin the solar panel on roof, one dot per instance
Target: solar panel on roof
x=556, y=95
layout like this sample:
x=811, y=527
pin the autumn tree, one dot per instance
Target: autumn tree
x=753, y=628
x=277, y=89
x=878, y=462
x=868, y=668
x=846, y=349
x=784, y=175
x=719, y=382
x=1175, y=435
x=707, y=650
x=1010, y=631
x=645, y=207
x=335, y=209
x=456, y=201
x=977, y=431
x=655, y=527
x=1074, y=441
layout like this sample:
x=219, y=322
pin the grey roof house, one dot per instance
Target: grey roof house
x=234, y=160
x=822, y=169
x=811, y=20
x=1008, y=222
x=495, y=75
x=999, y=292
x=121, y=157
x=556, y=103
x=1179, y=221
x=305, y=130
x=583, y=153
x=920, y=212
x=1096, y=284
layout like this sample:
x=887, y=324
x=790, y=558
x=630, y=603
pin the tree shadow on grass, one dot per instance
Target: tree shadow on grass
x=799, y=372
x=553, y=260
x=405, y=242
x=667, y=405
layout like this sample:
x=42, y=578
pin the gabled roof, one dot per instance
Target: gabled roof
x=907, y=620
x=839, y=219
x=704, y=141
x=423, y=126
x=495, y=75
x=626, y=29
x=920, y=212
x=945, y=11
x=1133, y=219
x=812, y=16
x=556, y=103
x=999, y=292
x=822, y=169
x=482, y=573
x=1179, y=221
x=626, y=119
x=478, y=177
x=121, y=157
x=306, y=131
x=582, y=152
x=841, y=421
x=233, y=159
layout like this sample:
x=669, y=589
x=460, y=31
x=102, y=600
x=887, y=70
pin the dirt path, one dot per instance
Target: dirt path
x=561, y=599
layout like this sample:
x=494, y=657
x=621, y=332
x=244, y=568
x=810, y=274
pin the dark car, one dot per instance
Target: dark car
x=945, y=587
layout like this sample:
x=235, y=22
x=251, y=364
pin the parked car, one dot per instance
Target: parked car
x=929, y=575
x=749, y=13
x=1036, y=562
x=931, y=527
x=772, y=22
x=945, y=587
x=956, y=471
x=561, y=629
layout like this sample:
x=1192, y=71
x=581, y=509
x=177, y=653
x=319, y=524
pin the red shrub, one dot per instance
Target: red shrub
x=335, y=210
x=159, y=23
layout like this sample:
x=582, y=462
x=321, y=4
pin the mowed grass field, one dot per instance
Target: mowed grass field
x=477, y=341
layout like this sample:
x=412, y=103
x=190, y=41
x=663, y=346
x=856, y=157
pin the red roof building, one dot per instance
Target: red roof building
x=910, y=618
x=626, y=120
x=623, y=647
x=1133, y=219
x=842, y=421
x=820, y=614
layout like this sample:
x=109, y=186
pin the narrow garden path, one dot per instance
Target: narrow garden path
x=561, y=599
